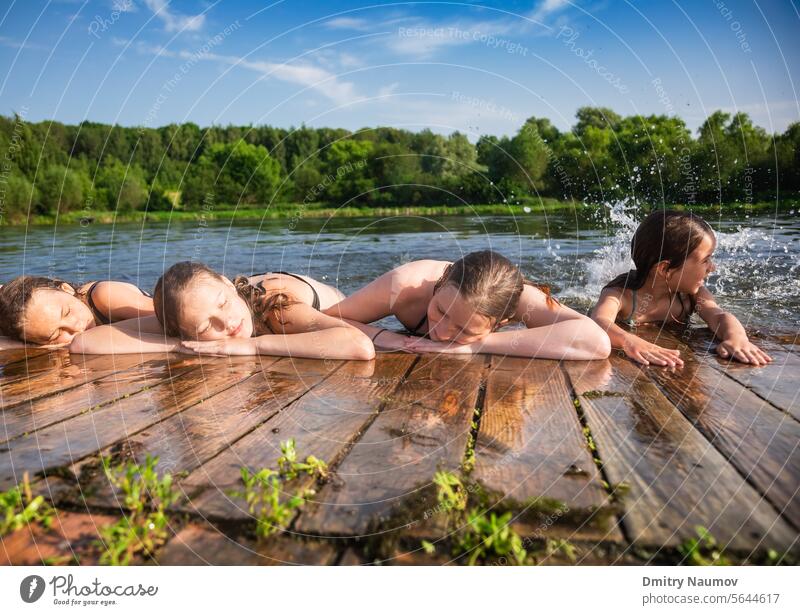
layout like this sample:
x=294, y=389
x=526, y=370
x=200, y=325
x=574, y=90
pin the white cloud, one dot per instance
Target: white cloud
x=347, y=23
x=388, y=90
x=14, y=44
x=308, y=75
x=548, y=7
x=174, y=22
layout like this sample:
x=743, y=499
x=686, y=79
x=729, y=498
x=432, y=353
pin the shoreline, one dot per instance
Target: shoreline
x=299, y=211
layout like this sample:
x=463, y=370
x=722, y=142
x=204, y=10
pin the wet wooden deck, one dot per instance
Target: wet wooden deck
x=712, y=445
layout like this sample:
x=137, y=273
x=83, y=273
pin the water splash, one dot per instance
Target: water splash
x=613, y=257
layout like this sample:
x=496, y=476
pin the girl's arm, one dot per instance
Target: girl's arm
x=725, y=326
x=605, y=314
x=121, y=301
x=136, y=335
x=388, y=294
x=306, y=333
x=556, y=332
x=552, y=332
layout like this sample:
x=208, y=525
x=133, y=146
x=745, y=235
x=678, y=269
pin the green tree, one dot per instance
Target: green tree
x=17, y=197
x=235, y=173
x=121, y=187
x=61, y=190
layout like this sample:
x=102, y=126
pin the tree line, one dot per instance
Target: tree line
x=50, y=167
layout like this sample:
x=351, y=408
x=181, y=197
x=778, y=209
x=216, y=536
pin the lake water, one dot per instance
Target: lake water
x=758, y=258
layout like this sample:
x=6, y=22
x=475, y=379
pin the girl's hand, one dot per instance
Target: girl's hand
x=743, y=350
x=646, y=353
x=420, y=344
x=221, y=348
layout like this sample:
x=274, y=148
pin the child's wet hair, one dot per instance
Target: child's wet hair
x=490, y=283
x=15, y=297
x=664, y=235
x=168, y=293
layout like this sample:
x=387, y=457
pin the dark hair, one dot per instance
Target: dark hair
x=170, y=286
x=490, y=282
x=14, y=299
x=664, y=235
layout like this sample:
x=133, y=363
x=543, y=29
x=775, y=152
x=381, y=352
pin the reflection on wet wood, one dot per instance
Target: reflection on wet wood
x=678, y=479
x=71, y=371
x=776, y=382
x=324, y=423
x=28, y=417
x=67, y=442
x=531, y=442
x=385, y=478
x=757, y=438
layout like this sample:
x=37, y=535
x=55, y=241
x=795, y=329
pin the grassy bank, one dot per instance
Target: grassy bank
x=321, y=210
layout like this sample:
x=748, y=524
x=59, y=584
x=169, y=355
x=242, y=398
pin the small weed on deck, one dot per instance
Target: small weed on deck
x=266, y=495
x=19, y=508
x=703, y=550
x=485, y=536
x=146, y=496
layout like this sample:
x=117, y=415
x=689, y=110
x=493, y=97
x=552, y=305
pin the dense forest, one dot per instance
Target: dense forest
x=49, y=167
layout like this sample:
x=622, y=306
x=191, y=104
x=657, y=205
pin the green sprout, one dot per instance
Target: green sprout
x=265, y=492
x=490, y=536
x=290, y=467
x=450, y=492
x=703, y=550
x=146, y=497
x=19, y=508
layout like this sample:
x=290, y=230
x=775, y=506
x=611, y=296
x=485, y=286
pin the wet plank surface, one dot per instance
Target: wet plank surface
x=623, y=461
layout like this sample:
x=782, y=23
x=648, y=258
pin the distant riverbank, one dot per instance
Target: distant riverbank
x=321, y=210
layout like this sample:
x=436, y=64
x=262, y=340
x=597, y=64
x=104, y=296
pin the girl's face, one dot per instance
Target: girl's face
x=691, y=275
x=211, y=309
x=452, y=319
x=55, y=316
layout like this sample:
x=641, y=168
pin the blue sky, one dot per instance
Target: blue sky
x=442, y=65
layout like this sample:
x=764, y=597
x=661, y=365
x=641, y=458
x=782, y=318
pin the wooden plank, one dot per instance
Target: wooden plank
x=198, y=545
x=34, y=365
x=73, y=371
x=776, y=382
x=385, y=481
x=28, y=417
x=323, y=423
x=531, y=442
x=184, y=441
x=14, y=355
x=69, y=441
x=677, y=479
x=70, y=540
x=762, y=442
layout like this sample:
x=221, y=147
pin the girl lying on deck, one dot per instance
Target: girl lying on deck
x=200, y=311
x=459, y=307
x=49, y=312
x=672, y=252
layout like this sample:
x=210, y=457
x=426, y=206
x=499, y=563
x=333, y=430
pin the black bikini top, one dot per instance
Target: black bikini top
x=416, y=329
x=315, y=303
x=99, y=317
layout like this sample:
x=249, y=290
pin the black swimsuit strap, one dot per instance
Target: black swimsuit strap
x=315, y=302
x=98, y=315
x=415, y=330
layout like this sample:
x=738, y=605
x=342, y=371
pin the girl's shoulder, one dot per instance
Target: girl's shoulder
x=421, y=271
